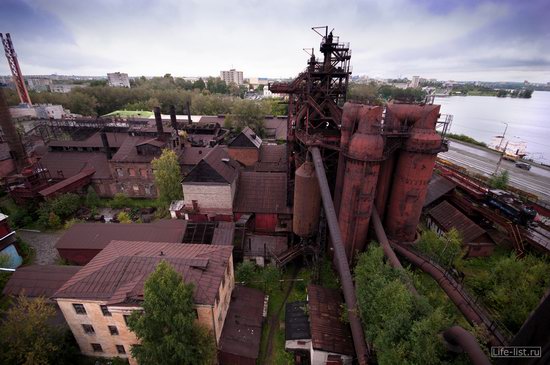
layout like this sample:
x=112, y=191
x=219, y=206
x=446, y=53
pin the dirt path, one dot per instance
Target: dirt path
x=274, y=319
x=44, y=245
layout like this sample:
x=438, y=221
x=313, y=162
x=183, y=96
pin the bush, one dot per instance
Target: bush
x=92, y=199
x=54, y=221
x=120, y=201
x=65, y=205
x=500, y=181
x=124, y=217
x=245, y=272
x=445, y=250
x=26, y=251
x=71, y=222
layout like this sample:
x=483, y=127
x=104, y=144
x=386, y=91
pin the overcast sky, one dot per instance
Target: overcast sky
x=445, y=39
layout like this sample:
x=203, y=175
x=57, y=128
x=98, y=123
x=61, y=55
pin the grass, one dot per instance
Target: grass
x=129, y=113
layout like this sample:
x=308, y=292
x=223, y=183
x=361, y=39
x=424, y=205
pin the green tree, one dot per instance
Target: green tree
x=166, y=328
x=500, y=181
x=248, y=113
x=92, y=199
x=167, y=172
x=199, y=84
x=445, y=250
x=124, y=218
x=82, y=103
x=25, y=336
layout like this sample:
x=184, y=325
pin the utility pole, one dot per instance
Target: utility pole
x=499, y=146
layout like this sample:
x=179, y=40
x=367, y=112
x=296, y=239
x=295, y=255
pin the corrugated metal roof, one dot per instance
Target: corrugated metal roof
x=437, y=187
x=273, y=158
x=448, y=217
x=96, y=236
x=39, y=280
x=64, y=183
x=128, y=151
x=247, y=138
x=115, y=140
x=71, y=163
x=242, y=329
x=296, y=321
x=261, y=192
x=215, y=167
x=118, y=272
x=328, y=332
x=224, y=233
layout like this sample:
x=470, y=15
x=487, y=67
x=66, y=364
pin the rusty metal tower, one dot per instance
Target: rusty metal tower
x=15, y=69
x=316, y=98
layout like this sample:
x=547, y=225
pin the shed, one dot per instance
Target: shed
x=297, y=331
x=242, y=331
x=438, y=187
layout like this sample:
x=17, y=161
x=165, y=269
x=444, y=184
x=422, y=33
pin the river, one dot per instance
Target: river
x=482, y=117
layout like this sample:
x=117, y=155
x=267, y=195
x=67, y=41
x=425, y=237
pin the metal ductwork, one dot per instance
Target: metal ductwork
x=341, y=261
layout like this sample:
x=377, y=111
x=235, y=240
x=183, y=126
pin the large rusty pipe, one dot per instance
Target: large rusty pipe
x=340, y=260
x=457, y=297
x=458, y=336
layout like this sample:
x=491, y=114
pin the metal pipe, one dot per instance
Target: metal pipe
x=341, y=261
x=458, y=336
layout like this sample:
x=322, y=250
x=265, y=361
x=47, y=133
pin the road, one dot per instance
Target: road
x=535, y=181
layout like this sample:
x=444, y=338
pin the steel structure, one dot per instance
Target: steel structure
x=15, y=69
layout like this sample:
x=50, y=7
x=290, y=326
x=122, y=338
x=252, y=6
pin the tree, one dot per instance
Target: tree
x=92, y=199
x=26, y=337
x=81, y=103
x=124, y=218
x=167, y=172
x=167, y=328
x=248, y=113
x=199, y=84
x=500, y=181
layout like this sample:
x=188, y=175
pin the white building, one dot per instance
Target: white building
x=415, y=82
x=118, y=79
x=232, y=76
x=39, y=84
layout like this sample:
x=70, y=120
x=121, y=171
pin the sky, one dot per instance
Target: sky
x=501, y=40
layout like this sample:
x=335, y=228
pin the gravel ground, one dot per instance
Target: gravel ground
x=44, y=245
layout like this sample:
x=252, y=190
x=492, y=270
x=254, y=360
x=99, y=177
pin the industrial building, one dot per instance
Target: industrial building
x=118, y=79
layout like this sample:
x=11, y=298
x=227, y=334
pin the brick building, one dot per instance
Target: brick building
x=97, y=300
x=245, y=147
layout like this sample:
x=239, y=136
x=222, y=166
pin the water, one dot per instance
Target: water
x=481, y=117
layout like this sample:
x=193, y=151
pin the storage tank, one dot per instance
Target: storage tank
x=413, y=170
x=349, y=120
x=361, y=175
x=307, y=201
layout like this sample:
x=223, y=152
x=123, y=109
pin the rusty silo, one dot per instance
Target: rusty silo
x=363, y=158
x=307, y=201
x=414, y=168
x=349, y=121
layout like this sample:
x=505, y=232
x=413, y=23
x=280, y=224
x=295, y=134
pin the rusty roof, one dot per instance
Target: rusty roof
x=437, y=187
x=328, y=332
x=257, y=245
x=447, y=216
x=246, y=139
x=192, y=155
x=276, y=127
x=95, y=236
x=224, y=233
x=242, y=329
x=215, y=167
x=72, y=163
x=39, y=280
x=261, y=192
x=117, y=274
x=64, y=183
x=273, y=158
x=128, y=150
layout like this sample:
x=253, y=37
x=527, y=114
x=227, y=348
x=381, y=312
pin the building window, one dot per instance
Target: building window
x=120, y=349
x=79, y=308
x=88, y=329
x=132, y=172
x=136, y=188
x=147, y=189
x=119, y=172
x=104, y=310
x=113, y=330
x=97, y=347
x=143, y=172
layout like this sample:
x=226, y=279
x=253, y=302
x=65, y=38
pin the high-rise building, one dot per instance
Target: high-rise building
x=117, y=79
x=232, y=76
x=415, y=82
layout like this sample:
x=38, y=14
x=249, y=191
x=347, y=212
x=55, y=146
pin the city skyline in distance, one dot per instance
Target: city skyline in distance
x=458, y=40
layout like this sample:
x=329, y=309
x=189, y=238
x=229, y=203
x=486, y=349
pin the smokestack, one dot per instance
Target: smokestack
x=17, y=151
x=173, y=117
x=158, y=120
x=106, y=146
x=189, y=112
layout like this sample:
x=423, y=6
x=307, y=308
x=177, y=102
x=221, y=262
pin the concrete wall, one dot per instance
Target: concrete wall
x=320, y=357
x=246, y=156
x=210, y=196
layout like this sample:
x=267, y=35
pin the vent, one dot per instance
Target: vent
x=225, y=160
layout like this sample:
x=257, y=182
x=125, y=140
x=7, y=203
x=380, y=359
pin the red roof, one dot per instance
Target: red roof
x=447, y=217
x=71, y=163
x=66, y=183
x=261, y=192
x=39, y=280
x=117, y=274
x=96, y=236
x=328, y=332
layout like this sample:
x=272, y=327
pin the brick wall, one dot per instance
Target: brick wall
x=246, y=156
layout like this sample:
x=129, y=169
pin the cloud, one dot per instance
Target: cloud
x=450, y=39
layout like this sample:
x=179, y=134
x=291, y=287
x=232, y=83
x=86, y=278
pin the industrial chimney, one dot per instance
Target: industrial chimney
x=17, y=150
x=105, y=142
x=173, y=119
x=158, y=120
x=189, y=112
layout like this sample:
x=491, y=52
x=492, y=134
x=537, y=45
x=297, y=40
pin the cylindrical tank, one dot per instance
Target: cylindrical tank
x=361, y=175
x=413, y=170
x=349, y=119
x=307, y=201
